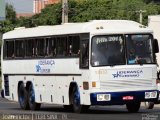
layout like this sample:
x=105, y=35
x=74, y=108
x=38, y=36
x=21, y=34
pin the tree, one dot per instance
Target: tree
x=10, y=21
x=10, y=13
x=85, y=10
x=51, y=15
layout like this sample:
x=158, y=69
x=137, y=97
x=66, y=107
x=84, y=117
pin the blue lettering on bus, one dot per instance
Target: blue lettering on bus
x=38, y=68
x=46, y=62
x=129, y=73
x=44, y=66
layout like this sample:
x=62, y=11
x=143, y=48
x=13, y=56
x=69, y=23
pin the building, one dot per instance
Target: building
x=18, y=15
x=38, y=5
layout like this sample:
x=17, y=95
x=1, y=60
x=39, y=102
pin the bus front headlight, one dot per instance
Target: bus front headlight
x=149, y=95
x=103, y=97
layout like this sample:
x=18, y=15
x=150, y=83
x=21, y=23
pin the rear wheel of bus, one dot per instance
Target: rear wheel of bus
x=77, y=107
x=32, y=104
x=133, y=107
x=23, y=97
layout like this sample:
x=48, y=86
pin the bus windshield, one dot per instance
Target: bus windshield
x=139, y=49
x=107, y=50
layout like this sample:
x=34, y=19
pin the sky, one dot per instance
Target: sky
x=2, y=10
x=22, y=6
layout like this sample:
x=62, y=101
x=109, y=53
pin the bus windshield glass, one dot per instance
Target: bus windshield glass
x=139, y=49
x=108, y=50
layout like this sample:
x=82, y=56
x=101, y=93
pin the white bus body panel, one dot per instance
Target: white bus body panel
x=121, y=78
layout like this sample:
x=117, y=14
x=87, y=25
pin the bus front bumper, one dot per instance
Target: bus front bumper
x=120, y=98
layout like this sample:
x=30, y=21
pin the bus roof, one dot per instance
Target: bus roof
x=93, y=27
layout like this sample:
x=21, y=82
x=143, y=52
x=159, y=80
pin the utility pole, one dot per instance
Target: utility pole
x=141, y=15
x=64, y=11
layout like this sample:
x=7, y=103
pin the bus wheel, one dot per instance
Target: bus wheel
x=77, y=107
x=149, y=105
x=23, y=97
x=32, y=104
x=133, y=107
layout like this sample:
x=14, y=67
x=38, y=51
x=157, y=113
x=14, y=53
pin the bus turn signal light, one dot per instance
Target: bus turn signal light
x=93, y=84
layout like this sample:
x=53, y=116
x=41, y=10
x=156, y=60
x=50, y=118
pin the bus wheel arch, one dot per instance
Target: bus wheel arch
x=70, y=106
x=23, y=96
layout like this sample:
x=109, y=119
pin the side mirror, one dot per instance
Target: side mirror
x=155, y=46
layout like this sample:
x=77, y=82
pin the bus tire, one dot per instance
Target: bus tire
x=23, y=97
x=31, y=98
x=149, y=105
x=77, y=107
x=133, y=107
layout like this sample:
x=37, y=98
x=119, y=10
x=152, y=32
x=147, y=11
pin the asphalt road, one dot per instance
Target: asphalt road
x=11, y=110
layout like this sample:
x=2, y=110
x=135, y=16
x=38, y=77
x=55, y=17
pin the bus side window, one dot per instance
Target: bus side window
x=10, y=49
x=51, y=49
x=84, y=54
x=40, y=47
x=47, y=48
x=74, y=45
x=61, y=48
x=35, y=50
x=28, y=48
x=19, y=48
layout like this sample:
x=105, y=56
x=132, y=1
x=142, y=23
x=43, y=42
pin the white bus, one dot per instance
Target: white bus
x=101, y=62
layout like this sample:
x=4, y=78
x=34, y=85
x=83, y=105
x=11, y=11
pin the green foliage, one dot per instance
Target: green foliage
x=6, y=26
x=10, y=13
x=111, y=9
x=10, y=21
x=49, y=16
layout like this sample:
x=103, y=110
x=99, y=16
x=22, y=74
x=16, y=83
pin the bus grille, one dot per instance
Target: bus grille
x=122, y=84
